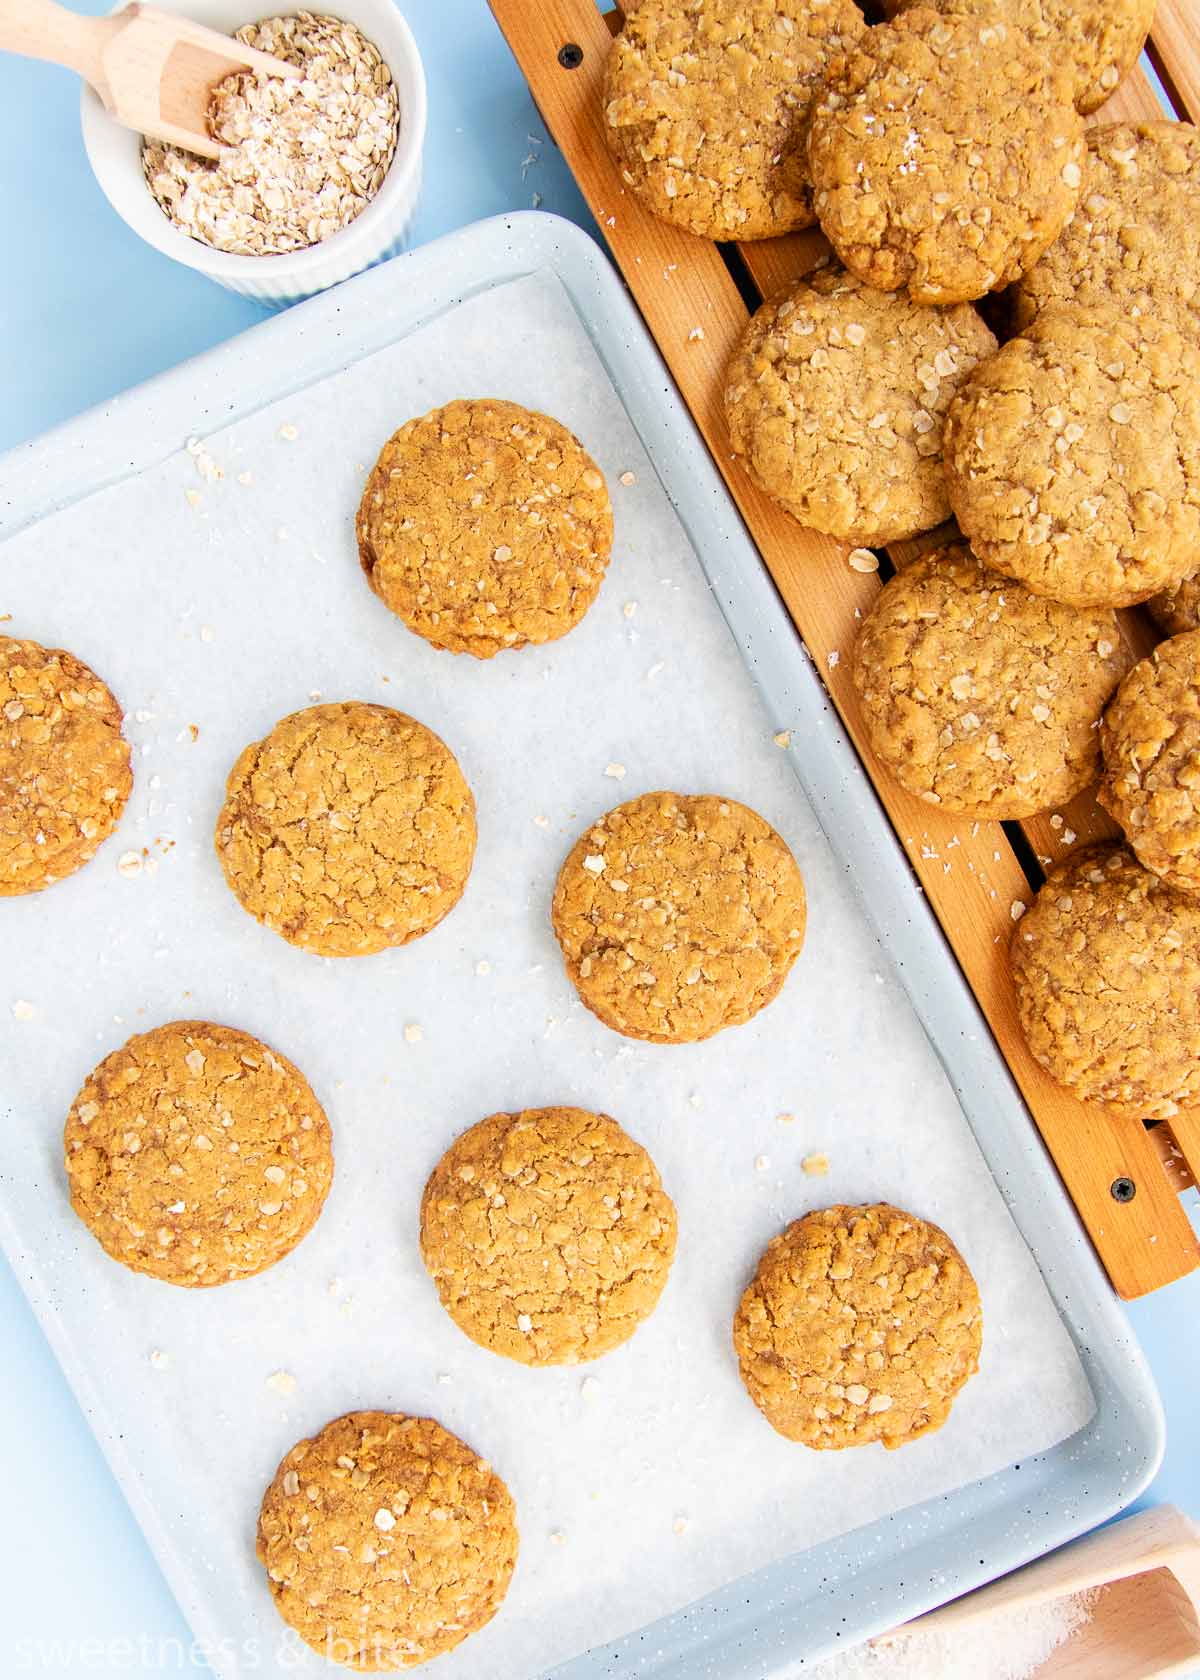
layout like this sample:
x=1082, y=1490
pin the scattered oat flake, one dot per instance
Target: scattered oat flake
x=483, y=966
x=589, y=1388
x=680, y=1525
x=862, y=560
x=695, y=334
x=413, y=1033
x=23, y=1010
x=783, y=739
x=629, y=608
x=541, y=821
x=193, y=498
x=282, y=1382
x=444, y=1378
x=207, y=633
x=761, y=1163
x=786, y=1119
x=557, y=1537
x=129, y=864
x=159, y=1359
x=832, y=658
x=628, y=478
x=655, y=670
x=616, y=771
x=815, y=1165
x=1017, y=909
x=245, y=478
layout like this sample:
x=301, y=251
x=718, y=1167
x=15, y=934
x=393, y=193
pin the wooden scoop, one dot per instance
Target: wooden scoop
x=154, y=72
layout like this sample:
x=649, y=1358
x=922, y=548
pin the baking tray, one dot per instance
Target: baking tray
x=785, y=1615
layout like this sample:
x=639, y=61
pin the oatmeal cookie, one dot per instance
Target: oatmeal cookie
x=980, y=696
x=348, y=829
x=705, y=105
x=1073, y=456
x=64, y=765
x=1177, y=609
x=861, y=1325
x=386, y=1540
x=679, y=914
x=1098, y=40
x=1135, y=235
x=485, y=526
x=835, y=399
x=197, y=1154
x=1107, y=969
x=1151, y=739
x=548, y=1234
x=946, y=155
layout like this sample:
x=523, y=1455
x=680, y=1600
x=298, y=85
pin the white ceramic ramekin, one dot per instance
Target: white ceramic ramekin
x=377, y=232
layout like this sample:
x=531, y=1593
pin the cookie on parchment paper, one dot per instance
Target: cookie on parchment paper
x=1135, y=234
x=980, y=696
x=347, y=829
x=835, y=399
x=198, y=1155
x=705, y=105
x=1106, y=963
x=1073, y=455
x=678, y=915
x=485, y=526
x=946, y=155
x=861, y=1324
x=386, y=1540
x=64, y=765
x=1151, y=737
x=548, y=1234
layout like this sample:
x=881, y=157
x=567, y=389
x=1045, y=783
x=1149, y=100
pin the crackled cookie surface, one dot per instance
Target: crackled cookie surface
x=861, y=1325
x=679, y=914
x=348, y=829
x=1177, y=609
x=1073, y=456
x=705, y=105
x=835, y=400
x=548, y=1234
x=198, y=1155
x=1152, y=761
x=1107, y=969
x=980, y=696
x=1098, y=41
x=386, y=1540
x=64, y=765
x=946, y=155
x=485, y=526
x=1135, y=234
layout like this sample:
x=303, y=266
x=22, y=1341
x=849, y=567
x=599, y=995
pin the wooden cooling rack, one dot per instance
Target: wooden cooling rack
x=1125, y=1179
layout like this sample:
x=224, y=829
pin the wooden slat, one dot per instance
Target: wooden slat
x=1176, y=36
x=969, y=872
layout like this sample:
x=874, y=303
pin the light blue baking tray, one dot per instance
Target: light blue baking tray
x=782, y=1619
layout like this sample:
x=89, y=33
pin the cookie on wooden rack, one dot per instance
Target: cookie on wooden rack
x=705, y=104
x=197, y=1154
x=348, y=829
x=386, y=1540
x=1106, y=963
x=1135, y=235
x=548, y=1234
x=861, y=1325
x=980, y=696
x=64, y=765
x=835, y=399
x=485, y=526
x=1098, y=40
x=1073, y=455
x=1151, y=737
x=678, y=915
x=945, y=154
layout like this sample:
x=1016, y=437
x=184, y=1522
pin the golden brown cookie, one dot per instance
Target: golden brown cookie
x=1135, y=234
x=835, y=399
x=1151, y=783
x=1107, y=969
x=548, y=1234
x=1073, y=456
x=348, y=829
x=64, y=765
x=679, y=914
x=1177, y=609
x=485, y=526
x=980, y=696
x=197, y=1154
x=861, y=1325
x=705, y=105
x=946, y=155
x=1097, y=40
x=386, y=1541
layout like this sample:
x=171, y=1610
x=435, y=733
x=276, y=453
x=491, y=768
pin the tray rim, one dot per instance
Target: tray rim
x=809, y=1603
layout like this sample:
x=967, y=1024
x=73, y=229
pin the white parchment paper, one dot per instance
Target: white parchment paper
x=213, y=607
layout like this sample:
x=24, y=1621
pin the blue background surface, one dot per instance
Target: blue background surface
x=87, y=310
